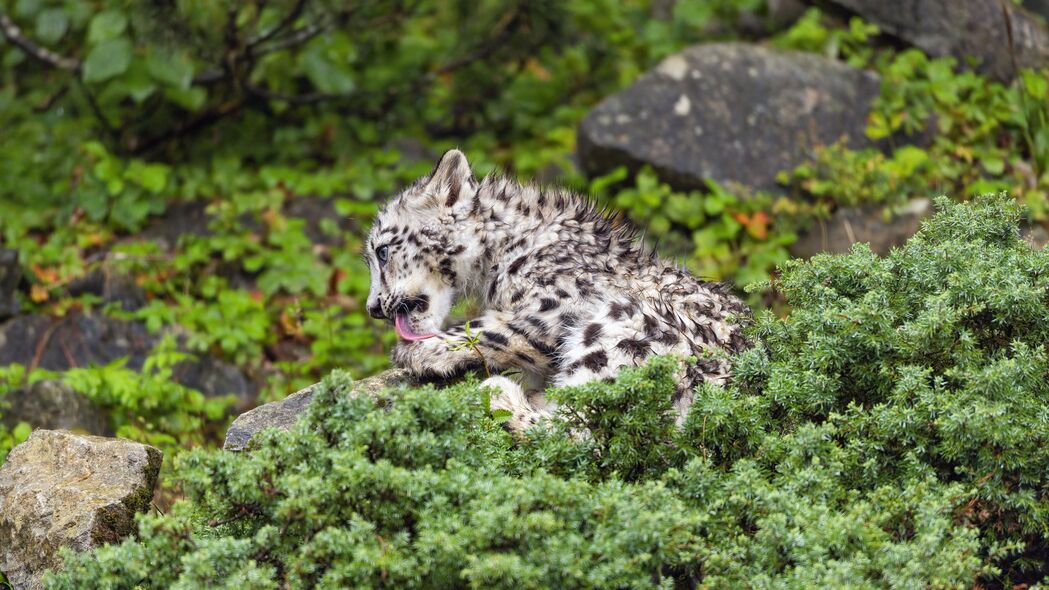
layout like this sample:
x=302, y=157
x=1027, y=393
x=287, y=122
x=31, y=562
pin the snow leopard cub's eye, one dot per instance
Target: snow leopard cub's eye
x=382, y=253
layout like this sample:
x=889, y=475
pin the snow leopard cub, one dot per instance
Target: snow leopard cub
x=569, y=294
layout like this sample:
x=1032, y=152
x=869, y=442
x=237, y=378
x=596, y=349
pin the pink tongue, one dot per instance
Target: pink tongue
x=405, y=331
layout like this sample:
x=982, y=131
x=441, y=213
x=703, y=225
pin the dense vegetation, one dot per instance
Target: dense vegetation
x=260, y=112
x=891, y=424
x=890, y=432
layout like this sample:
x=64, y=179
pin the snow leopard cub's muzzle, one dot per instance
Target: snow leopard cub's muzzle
x=418, y=307
x=403, y=306
x=408, y=315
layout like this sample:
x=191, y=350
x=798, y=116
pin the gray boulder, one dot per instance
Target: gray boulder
x=849, y=225
x=59, y=489
x=74, y=340
x=10, y=275
x=52, y=405
x=283, y=414
x=960, y=28
x=730, y=112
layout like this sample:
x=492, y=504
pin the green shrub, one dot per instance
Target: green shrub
x=932, y=359
x=423, y=489
x=891, y=432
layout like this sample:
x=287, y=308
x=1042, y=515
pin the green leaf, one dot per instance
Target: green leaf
x=79, y=12
x=325, y=75
x=190, y=98
x=878, y=126
x=105, y=26
x=1036, y=84
x=502, y=416
x=139, y=88
x=174, y=70
x=994, y=165
x=51, y=25
x=152, y=177
x=26, y=8
x=910, y=158
x=94, y=202
x=107, y=60
x=135, y=82
x=21, y=432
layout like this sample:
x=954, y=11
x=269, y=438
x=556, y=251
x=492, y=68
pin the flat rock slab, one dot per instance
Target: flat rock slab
x=729, y=112
x=963, y=29
x=283, y=414
x=59, y=489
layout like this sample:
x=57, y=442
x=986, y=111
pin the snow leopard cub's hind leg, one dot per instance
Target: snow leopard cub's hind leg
x=510, y=396
x=611, y=336
x=594, y=349
x=625, y=333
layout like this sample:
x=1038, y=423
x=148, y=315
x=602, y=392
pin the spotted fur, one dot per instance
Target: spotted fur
x=570, y=295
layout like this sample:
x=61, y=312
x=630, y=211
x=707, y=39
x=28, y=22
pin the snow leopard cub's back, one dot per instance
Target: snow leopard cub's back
x=569, y=294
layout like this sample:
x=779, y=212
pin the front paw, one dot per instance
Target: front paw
x=432, y=359
x=408, y=356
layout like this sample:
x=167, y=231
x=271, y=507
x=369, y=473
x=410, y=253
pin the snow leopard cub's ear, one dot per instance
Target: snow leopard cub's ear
x=450, y=178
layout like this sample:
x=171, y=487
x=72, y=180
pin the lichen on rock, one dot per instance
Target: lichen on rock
x=59, y=489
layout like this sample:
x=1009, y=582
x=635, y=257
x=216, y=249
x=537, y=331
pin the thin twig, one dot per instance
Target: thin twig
x=1007, y=17
x=1021, y=88
x=42, y=344
x=243, y=510
x=294, y=39
x=14, y=34
x=70, y=358
x=251, y=49
x=210, y=76
x=502, y=30
x=51, y=100
x=309, y=98
x=285, y=22
x=202, y=120
x=97, y=110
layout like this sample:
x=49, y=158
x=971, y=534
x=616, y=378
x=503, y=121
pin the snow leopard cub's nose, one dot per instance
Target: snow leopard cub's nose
x=375, y=310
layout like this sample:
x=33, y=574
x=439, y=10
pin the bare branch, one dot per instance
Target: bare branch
x=14, y=34
x=202, y=120
x=97, y=110
x=294, y=39
x=251, y=50
x=210, y=76
x=51, y=99
x=309, y=98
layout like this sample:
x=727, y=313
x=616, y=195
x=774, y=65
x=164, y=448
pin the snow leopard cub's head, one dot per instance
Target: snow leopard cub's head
x=418, y=254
